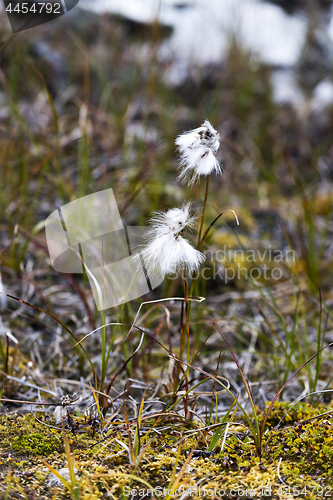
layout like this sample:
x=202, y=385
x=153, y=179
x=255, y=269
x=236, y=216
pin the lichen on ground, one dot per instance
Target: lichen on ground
x=297, y=460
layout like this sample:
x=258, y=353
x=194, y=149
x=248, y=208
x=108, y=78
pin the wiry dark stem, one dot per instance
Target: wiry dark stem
x=187, y=336
x=203, y=211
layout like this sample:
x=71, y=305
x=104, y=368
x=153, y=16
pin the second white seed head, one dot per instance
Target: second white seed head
x=198, y=149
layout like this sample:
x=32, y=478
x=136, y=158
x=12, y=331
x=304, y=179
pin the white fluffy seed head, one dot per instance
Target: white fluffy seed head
x=173, y=221
x=60, y=414
x=197, y=149
x=167, y=250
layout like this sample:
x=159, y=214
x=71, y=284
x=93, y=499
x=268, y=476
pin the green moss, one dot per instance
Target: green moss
x=36, y=444
x=300, y=452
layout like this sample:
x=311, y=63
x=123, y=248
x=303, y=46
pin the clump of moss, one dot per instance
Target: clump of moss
x=300, y=452
x=308, y=447
x=36, y=444
x=283, y=415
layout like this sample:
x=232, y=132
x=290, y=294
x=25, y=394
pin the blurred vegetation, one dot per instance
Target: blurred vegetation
x=85, y=105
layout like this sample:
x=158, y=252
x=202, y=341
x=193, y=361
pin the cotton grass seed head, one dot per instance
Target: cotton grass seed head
x=197, y=149
x=168, y=251
x=173, y=221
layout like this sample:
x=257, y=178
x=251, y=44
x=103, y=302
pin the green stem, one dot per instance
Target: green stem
x=181, y=332
x=201, y=229
x=104, y=360
x=187, y=337
x=203, y=211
